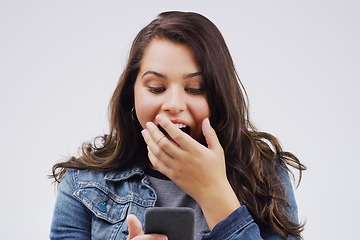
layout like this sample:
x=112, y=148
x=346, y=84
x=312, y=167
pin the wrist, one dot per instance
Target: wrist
x=218, y=204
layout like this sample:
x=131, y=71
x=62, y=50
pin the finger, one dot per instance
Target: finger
x=136, y=233
x=182, y=139
x=158, y=164
x=150, y=237
x=210, y=136
x=159, y=143
x=156, y=134
x=159, y=152
x=134, y=225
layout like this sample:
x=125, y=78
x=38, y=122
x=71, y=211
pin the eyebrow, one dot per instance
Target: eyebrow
x=154, y=73
x=191, y=75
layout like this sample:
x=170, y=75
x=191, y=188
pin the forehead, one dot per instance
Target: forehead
x=165, y=55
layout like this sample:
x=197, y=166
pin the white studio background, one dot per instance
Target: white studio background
x=299, y=60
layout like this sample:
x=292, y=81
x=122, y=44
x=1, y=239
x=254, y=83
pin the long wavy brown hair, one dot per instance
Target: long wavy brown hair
x=252, y=157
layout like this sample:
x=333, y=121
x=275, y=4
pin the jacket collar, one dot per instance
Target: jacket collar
x=138, y=168
x=122, y=175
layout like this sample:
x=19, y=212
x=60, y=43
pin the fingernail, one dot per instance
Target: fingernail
x=144, y=133
x=159, y=118
x=207, y=122
x=149, y=125
x=163, y=238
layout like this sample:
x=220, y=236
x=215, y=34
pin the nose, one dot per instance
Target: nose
x=174, y=101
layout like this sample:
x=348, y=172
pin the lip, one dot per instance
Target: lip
x=178, y=121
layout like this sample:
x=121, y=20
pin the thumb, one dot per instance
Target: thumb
x=134, y=225
x=210, y=136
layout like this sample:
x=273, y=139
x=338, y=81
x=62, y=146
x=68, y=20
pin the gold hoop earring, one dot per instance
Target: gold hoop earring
x=132, y=114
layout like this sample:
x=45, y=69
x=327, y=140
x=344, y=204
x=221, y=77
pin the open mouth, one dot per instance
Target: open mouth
x=182, y=127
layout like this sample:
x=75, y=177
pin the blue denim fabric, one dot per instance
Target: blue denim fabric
x=94, y=205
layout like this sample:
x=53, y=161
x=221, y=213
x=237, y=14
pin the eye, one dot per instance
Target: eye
x=194, y=91
x=156, y=90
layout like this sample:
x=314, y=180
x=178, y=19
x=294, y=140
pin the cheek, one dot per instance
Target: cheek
x=146, y=108
x=202, y=109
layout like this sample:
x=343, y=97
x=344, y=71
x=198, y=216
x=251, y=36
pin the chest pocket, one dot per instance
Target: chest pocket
x=102, y=203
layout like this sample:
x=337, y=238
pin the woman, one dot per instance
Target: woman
x=179, y=121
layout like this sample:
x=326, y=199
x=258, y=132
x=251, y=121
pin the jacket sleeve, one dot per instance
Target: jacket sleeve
x=71, y=219
x=240, y=224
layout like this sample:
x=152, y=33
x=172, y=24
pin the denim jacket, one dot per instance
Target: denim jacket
x=94, y=205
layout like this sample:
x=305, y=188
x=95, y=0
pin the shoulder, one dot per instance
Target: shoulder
x=284, y=176
x=75, y=179
x=79, y=178
x=104, y=194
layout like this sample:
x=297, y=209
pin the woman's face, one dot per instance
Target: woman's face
x=170, y=83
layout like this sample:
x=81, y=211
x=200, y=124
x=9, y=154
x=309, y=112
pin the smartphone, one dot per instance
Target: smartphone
x=176, y=223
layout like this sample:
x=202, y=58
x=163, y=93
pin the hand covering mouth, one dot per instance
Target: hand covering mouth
x=186, y=129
